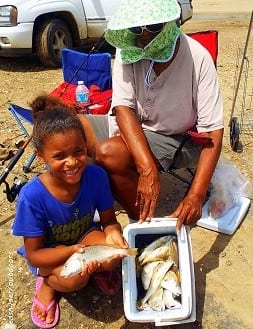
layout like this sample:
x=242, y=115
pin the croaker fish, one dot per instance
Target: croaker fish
x=169, y=300
x=160, y=275
x=171, y=282
x=76, y=263
x=157, y=277
x=156, y=301
x=154, y=245
x=167, y=251
x=147, y=273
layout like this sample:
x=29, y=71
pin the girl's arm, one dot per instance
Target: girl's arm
x=39, y=256
x=112, y=228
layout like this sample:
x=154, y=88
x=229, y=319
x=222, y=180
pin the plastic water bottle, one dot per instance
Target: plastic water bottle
x=82, y=97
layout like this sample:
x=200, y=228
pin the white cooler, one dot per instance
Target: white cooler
x=138, y=234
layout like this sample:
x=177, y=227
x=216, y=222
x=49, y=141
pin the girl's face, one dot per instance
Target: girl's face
x=65, y=155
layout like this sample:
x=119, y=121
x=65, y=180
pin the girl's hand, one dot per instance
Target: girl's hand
x=111, y=263
x=115, y=237
x=91, y=266
x=76, y=248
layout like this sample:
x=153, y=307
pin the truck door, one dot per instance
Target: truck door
x=98, y=13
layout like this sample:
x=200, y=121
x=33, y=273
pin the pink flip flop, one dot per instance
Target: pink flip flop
x=108, y=282
x=37, y=321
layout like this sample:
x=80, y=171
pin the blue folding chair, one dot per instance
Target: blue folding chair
x=92, y=68
x=21, y=115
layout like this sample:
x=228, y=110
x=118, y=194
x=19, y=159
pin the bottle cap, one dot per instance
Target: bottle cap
x=80, y=82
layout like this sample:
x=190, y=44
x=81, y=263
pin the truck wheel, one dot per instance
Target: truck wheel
x=52, y=36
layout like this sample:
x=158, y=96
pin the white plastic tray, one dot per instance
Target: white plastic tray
x=187, y=312
x=229, y=221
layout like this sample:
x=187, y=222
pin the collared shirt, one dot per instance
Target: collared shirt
x=185, y=94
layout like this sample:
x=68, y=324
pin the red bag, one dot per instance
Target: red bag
x=100, y=100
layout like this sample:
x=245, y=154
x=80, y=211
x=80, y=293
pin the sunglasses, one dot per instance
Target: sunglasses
x=153, y=28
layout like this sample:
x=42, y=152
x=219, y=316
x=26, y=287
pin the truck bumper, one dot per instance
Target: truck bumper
x=16, y=40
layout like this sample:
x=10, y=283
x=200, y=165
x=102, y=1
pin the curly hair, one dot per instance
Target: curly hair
x=51, y=116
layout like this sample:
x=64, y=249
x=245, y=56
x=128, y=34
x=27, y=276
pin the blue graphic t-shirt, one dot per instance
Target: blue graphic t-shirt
x=41, y=214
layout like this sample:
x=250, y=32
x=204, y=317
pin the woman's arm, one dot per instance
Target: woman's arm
x=135, y=140
x=190, y=209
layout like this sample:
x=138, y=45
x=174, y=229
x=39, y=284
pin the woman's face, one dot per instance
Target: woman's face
x=142, y=40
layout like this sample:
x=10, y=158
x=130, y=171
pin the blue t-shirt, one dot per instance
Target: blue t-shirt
x=39, y=213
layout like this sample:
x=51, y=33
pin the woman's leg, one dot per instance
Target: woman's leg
x=113, y=155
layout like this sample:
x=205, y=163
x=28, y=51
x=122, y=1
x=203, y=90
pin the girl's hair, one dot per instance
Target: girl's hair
x=52, y=116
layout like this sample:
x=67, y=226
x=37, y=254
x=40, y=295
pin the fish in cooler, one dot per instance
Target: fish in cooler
x=147, y=273
x=166, y=251
x=160, y=275
x=156, y=280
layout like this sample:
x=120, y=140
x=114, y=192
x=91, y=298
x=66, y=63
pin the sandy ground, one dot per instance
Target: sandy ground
x=222, y=263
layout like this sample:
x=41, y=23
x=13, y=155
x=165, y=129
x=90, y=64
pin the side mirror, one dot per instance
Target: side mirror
x=186, y=10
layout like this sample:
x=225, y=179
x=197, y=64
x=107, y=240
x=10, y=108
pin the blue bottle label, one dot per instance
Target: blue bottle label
x=82, y=97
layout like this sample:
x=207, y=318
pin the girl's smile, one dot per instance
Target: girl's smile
x=65, y=155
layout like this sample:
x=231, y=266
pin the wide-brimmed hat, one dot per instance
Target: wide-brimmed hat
x=133, y=13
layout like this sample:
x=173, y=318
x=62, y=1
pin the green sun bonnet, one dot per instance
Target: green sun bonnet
x=139, y=13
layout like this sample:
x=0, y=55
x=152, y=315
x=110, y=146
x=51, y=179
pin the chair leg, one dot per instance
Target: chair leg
x=182, y=179
x=26, y=167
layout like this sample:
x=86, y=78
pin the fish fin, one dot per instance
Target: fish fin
x=132, y=252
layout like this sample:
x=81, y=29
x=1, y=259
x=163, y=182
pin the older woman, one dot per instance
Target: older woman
x=164, y=83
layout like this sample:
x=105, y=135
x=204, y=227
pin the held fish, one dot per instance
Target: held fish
x=76, y=263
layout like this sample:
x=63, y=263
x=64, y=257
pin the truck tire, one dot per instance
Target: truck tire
x=52, y=36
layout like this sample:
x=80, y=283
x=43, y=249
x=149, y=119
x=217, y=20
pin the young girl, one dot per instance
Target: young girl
x=55, y=212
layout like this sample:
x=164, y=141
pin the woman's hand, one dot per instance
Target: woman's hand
x=188, y=211
x=147, y=193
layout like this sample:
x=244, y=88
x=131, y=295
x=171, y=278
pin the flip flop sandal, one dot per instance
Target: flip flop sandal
x=37, y=321
x=108, y=282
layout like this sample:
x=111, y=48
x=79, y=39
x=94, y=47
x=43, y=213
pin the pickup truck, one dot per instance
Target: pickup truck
x=44, y=27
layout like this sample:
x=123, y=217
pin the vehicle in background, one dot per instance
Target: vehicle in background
x=45, y=27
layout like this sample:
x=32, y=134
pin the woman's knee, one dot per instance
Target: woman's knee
x=112, y=154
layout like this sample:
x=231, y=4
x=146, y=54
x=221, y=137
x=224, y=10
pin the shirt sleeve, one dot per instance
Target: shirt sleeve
x=28, y=220
x=123, y=85
x=209, y=100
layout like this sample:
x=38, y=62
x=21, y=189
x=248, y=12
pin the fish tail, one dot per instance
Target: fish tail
x=132, y=252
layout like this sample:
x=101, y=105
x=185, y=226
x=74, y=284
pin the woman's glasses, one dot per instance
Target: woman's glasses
x=153, y=28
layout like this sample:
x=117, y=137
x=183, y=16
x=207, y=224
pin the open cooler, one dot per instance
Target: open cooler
x=138, y=235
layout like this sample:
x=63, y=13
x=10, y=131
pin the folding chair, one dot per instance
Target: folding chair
x=93, y=68
x=22, y=115
x=209, y=40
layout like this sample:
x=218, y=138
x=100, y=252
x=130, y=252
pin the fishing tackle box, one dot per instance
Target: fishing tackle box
x=139, y=235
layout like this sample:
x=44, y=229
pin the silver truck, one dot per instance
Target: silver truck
x=45, y=27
